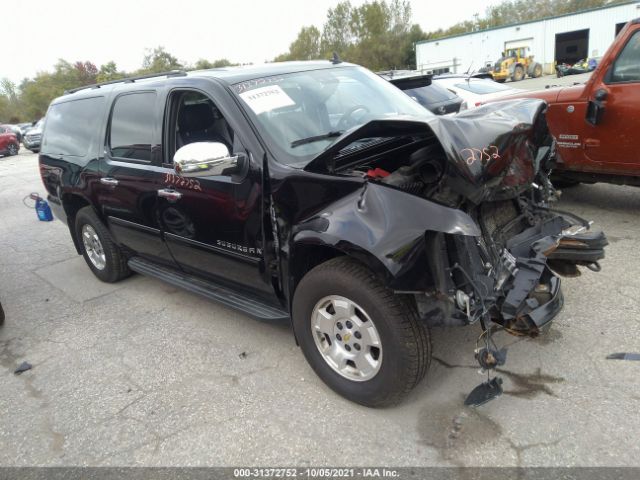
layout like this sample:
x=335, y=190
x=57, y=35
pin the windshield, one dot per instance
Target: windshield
x=482, y=87
x=301, y=114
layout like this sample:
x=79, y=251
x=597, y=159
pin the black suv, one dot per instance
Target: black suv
x=320, y=193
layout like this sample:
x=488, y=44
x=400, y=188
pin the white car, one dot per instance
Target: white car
x=475, y=91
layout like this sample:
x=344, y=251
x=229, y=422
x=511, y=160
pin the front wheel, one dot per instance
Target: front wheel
x=537, y=71
x=12, y=149
x=361, y=339
x=518, y=74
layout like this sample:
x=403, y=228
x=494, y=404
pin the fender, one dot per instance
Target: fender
x=384, y=228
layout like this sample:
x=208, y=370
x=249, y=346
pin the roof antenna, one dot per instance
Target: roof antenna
x=336, y=59
x=469, y=69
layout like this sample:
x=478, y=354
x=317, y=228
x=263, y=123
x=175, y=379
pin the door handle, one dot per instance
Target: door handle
x=109, y=181
x=170, y=194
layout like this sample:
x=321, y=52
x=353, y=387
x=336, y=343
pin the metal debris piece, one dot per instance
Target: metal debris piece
x=243, y=355
x=484, y=392
x=490, y=358
x=624, y=356
x=24, y=366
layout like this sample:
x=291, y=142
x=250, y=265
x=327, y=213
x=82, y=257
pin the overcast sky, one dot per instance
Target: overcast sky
x=250, y=31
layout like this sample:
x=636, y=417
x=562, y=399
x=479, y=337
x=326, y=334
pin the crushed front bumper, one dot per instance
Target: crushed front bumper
x=532, y=296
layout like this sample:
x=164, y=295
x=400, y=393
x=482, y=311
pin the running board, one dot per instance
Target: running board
x=226, y=296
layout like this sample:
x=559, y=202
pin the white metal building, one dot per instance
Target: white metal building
x=566, y=38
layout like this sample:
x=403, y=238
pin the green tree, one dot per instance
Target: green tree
x=516, y=11
x=337, y=35
x=86, y=72
x=9, y=102
x=203, y=64
x=305, y=47
x=5, y=109
x=109, y=71
x=376, y=34
x=158, y=60
x=381, y=30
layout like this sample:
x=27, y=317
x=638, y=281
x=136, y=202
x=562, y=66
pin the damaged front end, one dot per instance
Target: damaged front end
x=493, y=164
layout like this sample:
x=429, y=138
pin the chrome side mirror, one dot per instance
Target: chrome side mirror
x=201, y=159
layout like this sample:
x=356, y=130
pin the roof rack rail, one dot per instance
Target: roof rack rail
x=171, y=73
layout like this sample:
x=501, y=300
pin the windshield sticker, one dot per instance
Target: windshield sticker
x=250, y=84
x=265, y=99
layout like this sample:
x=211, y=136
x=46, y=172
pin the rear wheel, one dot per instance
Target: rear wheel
x=361, y=339
x=518, y=74
x=103, y=256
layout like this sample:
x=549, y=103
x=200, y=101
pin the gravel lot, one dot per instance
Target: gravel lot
x=140, y=373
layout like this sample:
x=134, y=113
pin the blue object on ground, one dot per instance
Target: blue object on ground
x=43, y=210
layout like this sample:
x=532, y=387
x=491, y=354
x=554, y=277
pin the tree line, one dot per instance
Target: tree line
x=28, y=101
x=378, y=34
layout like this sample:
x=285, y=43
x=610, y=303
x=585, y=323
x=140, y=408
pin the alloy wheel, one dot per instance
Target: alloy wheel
x=346, y=338
x=93, y=247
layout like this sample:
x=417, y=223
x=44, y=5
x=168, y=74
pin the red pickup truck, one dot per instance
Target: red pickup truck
x=597, y=124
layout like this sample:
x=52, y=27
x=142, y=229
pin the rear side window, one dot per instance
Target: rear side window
x=71, y=126
x=627, y=66
x=132, y=130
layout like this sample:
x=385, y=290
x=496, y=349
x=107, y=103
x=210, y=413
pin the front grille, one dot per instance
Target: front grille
x=34, y=138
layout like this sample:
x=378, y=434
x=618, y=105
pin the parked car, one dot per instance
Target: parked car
x=475, y=91
x=25, y=127
x=581, y=66
x=354, y=213
x=34, y=136
x=16, y=130
x=596, y=124
x=9, y=144
x=420, y=87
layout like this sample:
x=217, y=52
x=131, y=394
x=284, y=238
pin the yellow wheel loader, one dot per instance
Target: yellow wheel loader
x=515, y=63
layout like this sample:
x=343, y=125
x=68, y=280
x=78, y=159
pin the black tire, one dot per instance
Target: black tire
x=115, y=267
x=537, y=71
x=518, y=74
x=404, y=340
x=12, y=149
x=501, y=80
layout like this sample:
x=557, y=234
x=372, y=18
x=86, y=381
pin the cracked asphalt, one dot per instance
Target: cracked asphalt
x=140, y=373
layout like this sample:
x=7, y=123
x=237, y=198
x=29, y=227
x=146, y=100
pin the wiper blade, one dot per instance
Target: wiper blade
x=316, y=138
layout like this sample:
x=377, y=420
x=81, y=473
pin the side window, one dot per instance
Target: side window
x=132, y=132
x=2, y=130
x=195, y=118
x=627, y=66
x=71, y=126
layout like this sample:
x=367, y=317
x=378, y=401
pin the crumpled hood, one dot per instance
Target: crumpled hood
x=492, y=151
